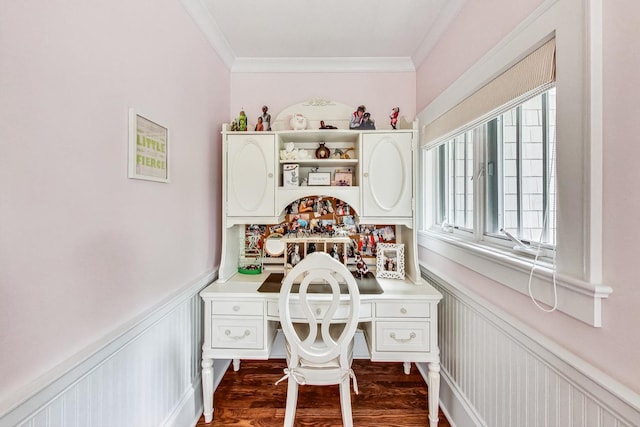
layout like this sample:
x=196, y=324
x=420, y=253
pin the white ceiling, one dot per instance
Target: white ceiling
x=261, y=34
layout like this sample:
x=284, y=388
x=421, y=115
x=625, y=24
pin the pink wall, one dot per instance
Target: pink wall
x=379, y=92
x=83, y=249
x=619, y=346
x=477, y=28
x=613, y=348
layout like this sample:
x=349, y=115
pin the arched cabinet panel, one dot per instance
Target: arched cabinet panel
x=387, y=175
x=250, y=175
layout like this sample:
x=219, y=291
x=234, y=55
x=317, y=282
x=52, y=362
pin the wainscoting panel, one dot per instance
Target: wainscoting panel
x=149, y=375
x=497, y=372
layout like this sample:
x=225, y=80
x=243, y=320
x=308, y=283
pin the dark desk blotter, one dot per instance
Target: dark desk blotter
x=368, y=285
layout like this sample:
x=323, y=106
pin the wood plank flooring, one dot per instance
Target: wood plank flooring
x=388, y=398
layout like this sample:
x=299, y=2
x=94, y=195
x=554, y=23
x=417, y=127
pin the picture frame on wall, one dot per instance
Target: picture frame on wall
x=148, y=148
x=390, y=260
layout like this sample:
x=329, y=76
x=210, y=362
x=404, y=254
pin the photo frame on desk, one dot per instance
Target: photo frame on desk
x=390, y=260
x=343, y=178
x=148, y=149
x=274, y=246
x=319, y=178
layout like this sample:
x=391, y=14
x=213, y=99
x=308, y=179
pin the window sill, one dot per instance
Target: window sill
x=579, y=299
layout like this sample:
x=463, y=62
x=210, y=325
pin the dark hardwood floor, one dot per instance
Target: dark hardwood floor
x=388, y=398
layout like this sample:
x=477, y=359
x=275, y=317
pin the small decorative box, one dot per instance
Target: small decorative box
x=291, y=175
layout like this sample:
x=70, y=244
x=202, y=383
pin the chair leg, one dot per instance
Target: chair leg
x=292, y=402
x=345, y=403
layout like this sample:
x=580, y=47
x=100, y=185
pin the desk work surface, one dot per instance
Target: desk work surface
x=367, y=285
x=249, y=285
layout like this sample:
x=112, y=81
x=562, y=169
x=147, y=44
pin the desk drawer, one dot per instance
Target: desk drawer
x=403, y=336
x=235, y=307
x=296, y=310
x=231, y=332
x=403, y=309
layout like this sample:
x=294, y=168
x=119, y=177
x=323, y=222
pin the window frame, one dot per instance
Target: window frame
x=445, y=163
x=480, y=136
x=578, y=268
x=547, y=167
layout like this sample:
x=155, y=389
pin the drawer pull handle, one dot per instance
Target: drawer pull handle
x=236, y=308
x=412, y=335
x=246, y=334
x=403, y=310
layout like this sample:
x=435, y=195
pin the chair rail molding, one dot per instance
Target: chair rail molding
x=146, y=372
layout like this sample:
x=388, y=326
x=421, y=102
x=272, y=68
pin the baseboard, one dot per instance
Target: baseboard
x=188, y=408
x=452, y=402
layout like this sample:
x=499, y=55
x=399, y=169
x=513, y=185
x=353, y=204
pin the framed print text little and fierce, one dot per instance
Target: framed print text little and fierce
x=148, y=149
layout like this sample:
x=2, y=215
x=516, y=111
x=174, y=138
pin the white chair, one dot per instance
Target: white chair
x=318, y=338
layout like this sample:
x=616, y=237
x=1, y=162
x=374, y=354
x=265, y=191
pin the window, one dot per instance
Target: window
x=520, y=178
x=484, y=93
x=516, y=177
x=455, y=169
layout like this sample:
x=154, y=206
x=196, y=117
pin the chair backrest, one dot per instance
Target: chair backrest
x=315, y=344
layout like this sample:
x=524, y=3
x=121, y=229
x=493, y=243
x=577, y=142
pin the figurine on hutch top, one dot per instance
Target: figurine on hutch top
x=242, y=121
x=259, y=125
x=265, y=118
x=357, y=117
x=367, y=122
x=394, y=116
x=325, y=126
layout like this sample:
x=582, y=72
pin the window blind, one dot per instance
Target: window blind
x=531, y=75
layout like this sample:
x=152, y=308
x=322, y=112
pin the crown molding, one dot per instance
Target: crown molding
x=439, y=25
x=323, y=65
x=200, y=14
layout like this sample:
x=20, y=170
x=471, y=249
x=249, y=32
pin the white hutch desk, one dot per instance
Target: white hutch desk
x=400, y=324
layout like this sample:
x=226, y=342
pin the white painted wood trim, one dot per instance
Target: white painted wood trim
x=577, y=298
x=200, y=14
x=456, y=408
x=323, y=65
x=208, y=26
x=314, y=110
x=184, y=408
x=441, y=23
x=214, y=36
x=509, y=374
x=595, y=130
x=152, y=360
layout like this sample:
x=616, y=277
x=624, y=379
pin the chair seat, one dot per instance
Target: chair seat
x=335, y=330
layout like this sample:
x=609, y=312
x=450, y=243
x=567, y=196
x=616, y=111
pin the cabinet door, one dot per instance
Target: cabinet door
x=250, y=175
x=387, y=175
